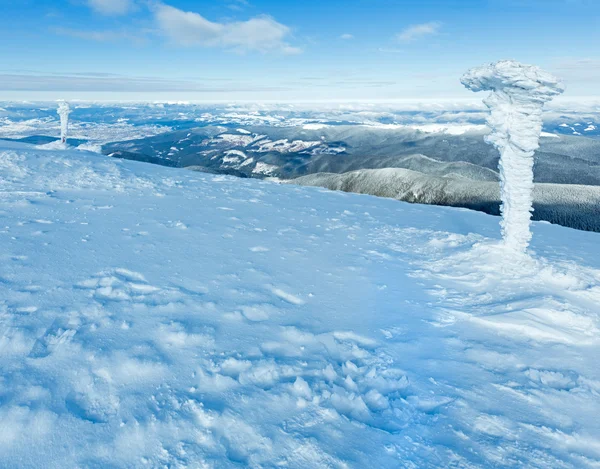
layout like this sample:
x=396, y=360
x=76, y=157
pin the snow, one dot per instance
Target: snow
x=157, y=317
x=314, y=126
x=95, y=148
x=239, y=153
x=285, y=146
x=236, y=139
x=247, y=162
x=518, y=93
x=450, y=129
x=234, y=156
x=265, y=168
x=97, y=132
x=231, y=159
x=326, y=150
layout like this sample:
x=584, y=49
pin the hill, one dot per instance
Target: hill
x=569, y=205
x=157, y=317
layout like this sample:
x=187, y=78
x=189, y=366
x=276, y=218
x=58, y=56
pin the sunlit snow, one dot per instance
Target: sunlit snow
x=157, y=317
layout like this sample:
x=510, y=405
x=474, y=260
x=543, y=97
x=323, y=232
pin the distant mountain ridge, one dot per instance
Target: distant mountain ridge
x=302, y=150
x=423, y=164
x=574, y=206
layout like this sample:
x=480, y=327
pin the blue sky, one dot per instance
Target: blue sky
x=286, y=50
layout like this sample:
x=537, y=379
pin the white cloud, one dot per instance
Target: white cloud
x=261, y=33
x=387, y=50
x=577, y=66
x=347, y=37
x=417, y=31
x=581, y=74
x=111, y=7
x=100, y=36
x=238, y=5
x=106, y=82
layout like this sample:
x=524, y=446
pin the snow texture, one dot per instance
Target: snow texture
x=158, y=317
x=63, y=111
x=518, y=94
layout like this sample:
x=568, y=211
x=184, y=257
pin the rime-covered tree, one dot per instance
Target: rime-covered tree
x=63, y=111
x=518, y=94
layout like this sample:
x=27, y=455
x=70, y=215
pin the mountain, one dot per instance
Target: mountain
x=569, y=205
x=309, y=149
x=567, y=168
x=157, y=317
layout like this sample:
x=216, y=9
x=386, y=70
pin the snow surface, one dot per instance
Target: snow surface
x=549, y=135
x=157, y=317
x=234, y=157
x=572, y=205
x=285, y=146
x=265, y=168
x=236, y=139
x=97, y=132
x=315, y=126
x=518, y=94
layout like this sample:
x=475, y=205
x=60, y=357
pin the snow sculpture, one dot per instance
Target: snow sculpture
x=518, y=94
x=63, y=111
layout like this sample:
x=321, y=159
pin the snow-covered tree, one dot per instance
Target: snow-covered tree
x=518, y=94
x=63, y=111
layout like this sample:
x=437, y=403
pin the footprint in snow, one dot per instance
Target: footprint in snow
x=59, y=334
x=125, y=285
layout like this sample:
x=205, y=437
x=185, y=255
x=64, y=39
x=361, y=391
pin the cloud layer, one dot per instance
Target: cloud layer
x=107, y=82
x=417, y=31
x=111, y=7
x=100, y=36
x=187, y=28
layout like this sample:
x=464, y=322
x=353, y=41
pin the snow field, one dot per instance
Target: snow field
x=156, y=317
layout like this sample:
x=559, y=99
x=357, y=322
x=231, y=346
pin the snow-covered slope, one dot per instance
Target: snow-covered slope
x=299, y=151
x=572, y=205
x=157, y=317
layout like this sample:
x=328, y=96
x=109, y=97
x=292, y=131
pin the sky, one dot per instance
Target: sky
x=286, y=50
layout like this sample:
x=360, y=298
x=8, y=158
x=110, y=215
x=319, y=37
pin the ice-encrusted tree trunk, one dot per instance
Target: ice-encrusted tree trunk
x=518, y=94
x=63, y=111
